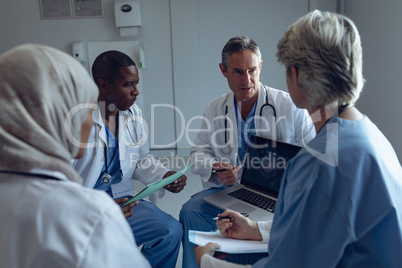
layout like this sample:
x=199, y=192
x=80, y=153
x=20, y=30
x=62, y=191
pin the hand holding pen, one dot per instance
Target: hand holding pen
x=229, y=217
x=235, y=225
x=226, y=173
x=219, y=170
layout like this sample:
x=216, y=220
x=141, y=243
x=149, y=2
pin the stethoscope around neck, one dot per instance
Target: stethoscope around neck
x=227, y=149
x=107, y=177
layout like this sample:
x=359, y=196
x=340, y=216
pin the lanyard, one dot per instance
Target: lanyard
x=248, y=129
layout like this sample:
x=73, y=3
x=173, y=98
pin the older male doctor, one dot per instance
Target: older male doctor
x=229, y=120
x=226, y=141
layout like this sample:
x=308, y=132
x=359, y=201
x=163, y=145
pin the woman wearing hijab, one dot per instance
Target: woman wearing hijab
x=47, y=218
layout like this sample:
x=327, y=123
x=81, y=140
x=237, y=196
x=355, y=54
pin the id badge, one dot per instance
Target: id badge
x=122, y=189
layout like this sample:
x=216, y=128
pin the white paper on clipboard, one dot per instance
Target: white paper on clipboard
x=228, y=245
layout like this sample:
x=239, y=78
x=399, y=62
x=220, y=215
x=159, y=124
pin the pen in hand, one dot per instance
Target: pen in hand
x=219, y=170
x=228, y=217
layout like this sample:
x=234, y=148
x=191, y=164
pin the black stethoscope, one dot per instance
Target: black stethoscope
x=227, y=149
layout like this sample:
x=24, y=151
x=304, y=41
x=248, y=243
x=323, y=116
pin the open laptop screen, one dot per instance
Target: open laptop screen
x=265, y=163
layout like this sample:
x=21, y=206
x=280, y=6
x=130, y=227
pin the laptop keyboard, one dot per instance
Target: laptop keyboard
x=255, y=199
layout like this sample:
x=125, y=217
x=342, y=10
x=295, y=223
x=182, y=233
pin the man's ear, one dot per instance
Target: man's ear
x=223, y=70
x=102, y=85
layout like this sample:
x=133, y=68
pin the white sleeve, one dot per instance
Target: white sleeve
x=207, y=261
x=265, y=230
x=202, y=154
x=112, y=244
x=147, y=169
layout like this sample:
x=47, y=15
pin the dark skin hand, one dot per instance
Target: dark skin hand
x=127, y=210
x=174, y=187
x=177, y=185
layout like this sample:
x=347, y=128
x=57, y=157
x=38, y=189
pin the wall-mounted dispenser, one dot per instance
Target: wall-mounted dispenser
x=128, y=16
x=80, y=53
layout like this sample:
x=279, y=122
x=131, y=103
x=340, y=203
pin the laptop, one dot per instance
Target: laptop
x=261, y=177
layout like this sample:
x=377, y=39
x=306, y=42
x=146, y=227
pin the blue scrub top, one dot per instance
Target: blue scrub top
x=340, y=202
x=113, y=166
x=245, y=128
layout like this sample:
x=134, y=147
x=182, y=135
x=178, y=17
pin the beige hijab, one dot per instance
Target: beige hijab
x=39, y=85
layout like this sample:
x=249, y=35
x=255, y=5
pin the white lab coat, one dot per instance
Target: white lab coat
x=291, y=125
x=60, y=223
x=135, y=160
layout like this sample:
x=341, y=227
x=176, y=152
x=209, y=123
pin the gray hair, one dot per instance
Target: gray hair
x=236, y=44
x=325, y=48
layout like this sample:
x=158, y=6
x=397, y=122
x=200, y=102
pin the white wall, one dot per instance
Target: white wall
x=183, y=40
x=379, y=24
x=201, y=29
x=156, y=80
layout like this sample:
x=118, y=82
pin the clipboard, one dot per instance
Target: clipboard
x=156, y=186
x=228, y=245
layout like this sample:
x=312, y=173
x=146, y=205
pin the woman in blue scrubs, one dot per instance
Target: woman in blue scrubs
x=340, y=201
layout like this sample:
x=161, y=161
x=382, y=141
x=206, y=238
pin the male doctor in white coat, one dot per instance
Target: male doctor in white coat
x=229, y=120
x=118, y=124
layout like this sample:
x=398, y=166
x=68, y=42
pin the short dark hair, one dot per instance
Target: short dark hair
x=108, y=64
